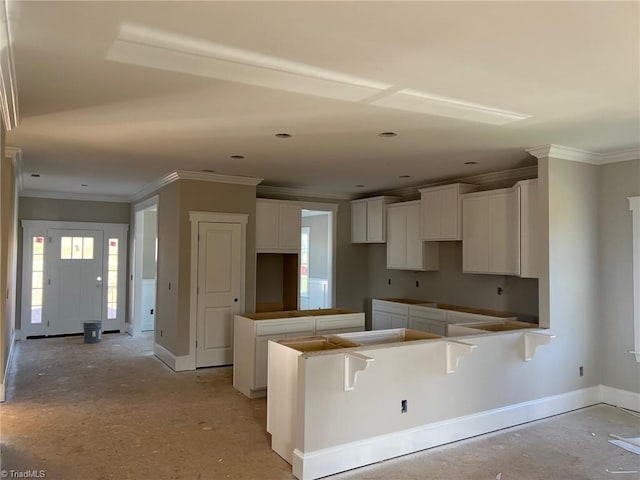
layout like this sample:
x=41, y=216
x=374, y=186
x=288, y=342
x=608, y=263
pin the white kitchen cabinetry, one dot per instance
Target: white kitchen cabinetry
x=428, y=319
x=252, y=333
x=386, y=315
x=405, y=248
x=529, y=228
x=278, y=226
x=441, y=209
x=491, y=232
x=369, y=219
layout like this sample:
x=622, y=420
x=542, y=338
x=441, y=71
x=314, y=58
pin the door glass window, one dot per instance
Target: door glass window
x=37, y=279
x=112, y=280
x=76, y=248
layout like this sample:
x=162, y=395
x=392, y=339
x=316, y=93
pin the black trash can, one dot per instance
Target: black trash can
x=92, y=332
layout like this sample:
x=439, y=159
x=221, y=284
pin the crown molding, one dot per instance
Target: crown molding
x=300, y=192
x=188, y=175
x=584, y=156
x=74, y=196
x=8, y=85
x=486, y=180
x=15, y=154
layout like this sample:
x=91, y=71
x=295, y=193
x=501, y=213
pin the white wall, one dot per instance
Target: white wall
x=617, y=182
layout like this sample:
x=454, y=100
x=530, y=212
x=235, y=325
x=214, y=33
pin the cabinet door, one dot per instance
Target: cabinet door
x=289, y=227
x=262, y=360
x=399, y=321
x=358, y=222
x=376, y=210
x=415, y=245
x=266, y=225
x=431, y=205
x=450, y=214
x=418, y=324
x=437, y=327
x=396, y=237
x=475, y=234
x=504, y=234
x=529, y=228
x=381, y=320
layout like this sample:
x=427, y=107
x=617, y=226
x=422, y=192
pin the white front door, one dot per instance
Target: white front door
x=219, y=287
x=74, y=293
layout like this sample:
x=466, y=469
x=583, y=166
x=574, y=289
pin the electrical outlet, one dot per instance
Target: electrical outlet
x=417, y=283
x=389, y=281
x=403, y=406
x=161, y=333
x=499, y=290
x=581, y=371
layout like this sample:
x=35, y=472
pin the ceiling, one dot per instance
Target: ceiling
x=114, y=95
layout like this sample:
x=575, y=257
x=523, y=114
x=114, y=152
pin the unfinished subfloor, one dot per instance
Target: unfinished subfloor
x=113, y=410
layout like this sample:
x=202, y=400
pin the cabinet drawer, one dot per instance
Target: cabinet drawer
x=428, y=313
x=332, y=322
x=282, y=327
x=390, y=307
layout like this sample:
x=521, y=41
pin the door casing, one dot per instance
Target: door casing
x=195, y=217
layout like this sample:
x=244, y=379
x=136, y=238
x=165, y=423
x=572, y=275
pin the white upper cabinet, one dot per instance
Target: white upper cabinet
x=442, y=211
x=529, y=228
x=369, y=219
x=405, y=248
x=277, y=226
x=491, y=232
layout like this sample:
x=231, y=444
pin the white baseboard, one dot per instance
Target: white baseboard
x=621, y=398
x=18, y=334
x=175, y=363
x=129, y=328
x=3, y=388
x=320, y=463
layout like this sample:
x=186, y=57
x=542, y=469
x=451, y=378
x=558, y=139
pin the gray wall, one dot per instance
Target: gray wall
x=149, y=244
x=617, y=182
x=209, y=197
x=32, y=208
x=449, y=284
x=569, y=287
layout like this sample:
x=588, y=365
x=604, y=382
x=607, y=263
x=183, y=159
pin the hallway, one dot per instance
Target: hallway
x=113, y=410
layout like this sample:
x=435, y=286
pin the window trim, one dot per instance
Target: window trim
x=634, y=206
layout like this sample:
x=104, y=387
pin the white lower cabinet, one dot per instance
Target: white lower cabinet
x=252, y=333
x=386, y=314
x=428, y=319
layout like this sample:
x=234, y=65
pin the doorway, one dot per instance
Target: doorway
x=316, y=259
x=218, y=251
x=72, y=272
x=145, y=262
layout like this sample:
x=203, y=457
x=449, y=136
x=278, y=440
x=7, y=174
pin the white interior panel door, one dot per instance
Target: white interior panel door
x=74, y=286
x=219, y=287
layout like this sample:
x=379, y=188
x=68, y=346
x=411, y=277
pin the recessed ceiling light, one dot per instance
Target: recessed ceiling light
x=35, y=175
x=84, y=185
x=283, y=135
x=207, y=170
x=387, y=134
x=359, y=185
x=404, y=176
x=470, y=163
x=237, y=157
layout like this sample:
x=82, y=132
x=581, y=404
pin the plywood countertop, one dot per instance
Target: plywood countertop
x=297, y=314
x=459, y=308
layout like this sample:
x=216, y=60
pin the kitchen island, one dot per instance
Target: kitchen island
x=339, y=402
x=253, y=331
